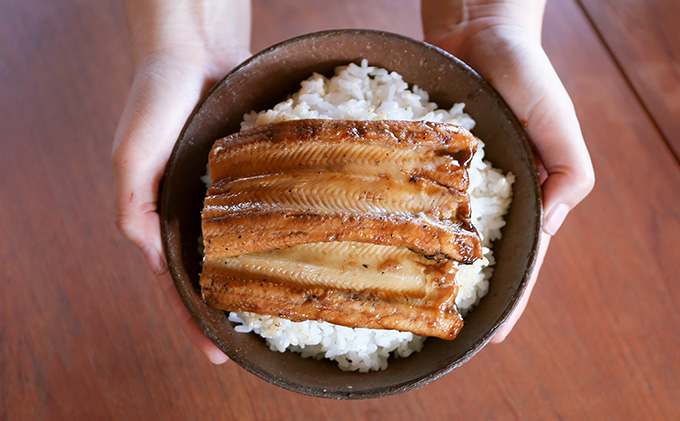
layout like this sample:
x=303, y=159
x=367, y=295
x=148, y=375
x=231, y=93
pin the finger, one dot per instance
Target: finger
x=157, y=263
x=555, y=133
x=187, y=322
x=524, y=300
x=553, y=128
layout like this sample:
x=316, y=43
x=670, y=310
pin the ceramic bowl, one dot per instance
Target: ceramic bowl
x=266, y=79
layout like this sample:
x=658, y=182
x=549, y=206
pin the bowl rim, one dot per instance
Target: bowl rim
x=378, y=391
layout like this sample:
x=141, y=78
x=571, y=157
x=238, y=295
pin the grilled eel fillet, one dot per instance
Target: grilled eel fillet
x=358, y=223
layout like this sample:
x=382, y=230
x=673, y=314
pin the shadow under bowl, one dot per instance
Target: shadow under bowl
x=268, y=78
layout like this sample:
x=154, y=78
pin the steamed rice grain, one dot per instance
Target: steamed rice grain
x=363, y=92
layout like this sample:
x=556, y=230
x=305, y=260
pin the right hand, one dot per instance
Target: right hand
x=501, y=39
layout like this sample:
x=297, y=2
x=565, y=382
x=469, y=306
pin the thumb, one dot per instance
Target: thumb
x=561, y=193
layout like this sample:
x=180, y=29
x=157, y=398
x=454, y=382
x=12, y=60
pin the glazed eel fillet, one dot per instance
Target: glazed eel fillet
x=357, y=223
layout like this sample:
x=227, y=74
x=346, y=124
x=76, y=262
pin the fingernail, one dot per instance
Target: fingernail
x=554, y=219
x=499, y=338
x=153, y=259
x=219, y=359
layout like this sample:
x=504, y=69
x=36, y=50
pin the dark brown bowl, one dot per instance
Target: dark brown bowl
x=266, y=79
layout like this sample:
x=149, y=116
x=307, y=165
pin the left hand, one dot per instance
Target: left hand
x=178, y=55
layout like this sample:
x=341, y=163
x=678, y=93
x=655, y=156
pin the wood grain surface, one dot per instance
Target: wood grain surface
x=644, y=37
x=86, y=333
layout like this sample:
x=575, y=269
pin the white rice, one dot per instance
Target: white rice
x=370, y=93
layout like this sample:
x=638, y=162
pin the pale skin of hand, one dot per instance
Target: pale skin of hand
x=181, y=48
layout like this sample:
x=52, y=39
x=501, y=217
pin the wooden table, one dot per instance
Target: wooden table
x=86, y=334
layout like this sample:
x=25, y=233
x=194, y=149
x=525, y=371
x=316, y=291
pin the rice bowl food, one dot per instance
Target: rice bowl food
x=363, y=92
x=270, y=77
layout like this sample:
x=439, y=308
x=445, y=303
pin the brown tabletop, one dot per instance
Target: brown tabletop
x=86, y=334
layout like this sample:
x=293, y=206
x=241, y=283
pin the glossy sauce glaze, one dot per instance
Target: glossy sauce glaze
x=358, y=223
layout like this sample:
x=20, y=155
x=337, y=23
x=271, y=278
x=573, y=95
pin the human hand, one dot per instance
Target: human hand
x=501, y=39
x=178, y=56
